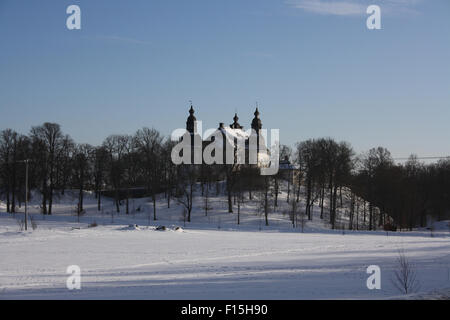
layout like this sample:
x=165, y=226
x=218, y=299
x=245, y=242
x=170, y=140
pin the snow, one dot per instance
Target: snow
x=212, y=257
x=239, y=134
x=131, y=227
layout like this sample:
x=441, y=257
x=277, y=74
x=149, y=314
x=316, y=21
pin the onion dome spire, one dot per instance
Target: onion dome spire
x=256, y=122
x=190, y=123
x=235, y=124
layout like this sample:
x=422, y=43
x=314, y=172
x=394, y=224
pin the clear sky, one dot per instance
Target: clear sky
x=312, y=65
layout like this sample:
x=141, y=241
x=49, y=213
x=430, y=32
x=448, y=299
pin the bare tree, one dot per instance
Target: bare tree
x=187, y=179
x=149, y=143
x=294, y=210
x=169, y=169
x=9, y=153
x=52, y=142
x=115, y=146
x=100, y=160
x=285, y=155
x=82, y=171
x=405, y=276
x=265, y=195
x=303, y=220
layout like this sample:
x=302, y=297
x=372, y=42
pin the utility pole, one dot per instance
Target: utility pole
x=26, y=194
x=26, y=161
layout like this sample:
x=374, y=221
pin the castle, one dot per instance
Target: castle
x=247, y=147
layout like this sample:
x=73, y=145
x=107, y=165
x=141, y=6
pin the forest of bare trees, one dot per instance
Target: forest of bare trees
x=370, y=189
x=379, y=192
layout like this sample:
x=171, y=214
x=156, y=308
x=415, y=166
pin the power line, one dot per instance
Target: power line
x=425, y=158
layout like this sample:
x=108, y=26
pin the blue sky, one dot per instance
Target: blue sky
x=312, y=65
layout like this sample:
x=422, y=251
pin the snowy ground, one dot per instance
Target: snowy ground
x=212, y=258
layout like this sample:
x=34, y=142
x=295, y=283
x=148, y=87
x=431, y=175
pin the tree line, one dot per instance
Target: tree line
x=369, y=190
x=57, y=163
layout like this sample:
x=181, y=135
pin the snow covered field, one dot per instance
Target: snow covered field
x=211, y=258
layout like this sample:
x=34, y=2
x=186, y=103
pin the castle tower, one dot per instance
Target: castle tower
x=235, y=124
x=190, y=123
x=195, y=139
x=257, y=126
x=256, y=122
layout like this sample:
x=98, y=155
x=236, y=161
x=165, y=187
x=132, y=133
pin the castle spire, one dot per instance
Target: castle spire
x=256, y=122
x=235, y=124
x=190, y=123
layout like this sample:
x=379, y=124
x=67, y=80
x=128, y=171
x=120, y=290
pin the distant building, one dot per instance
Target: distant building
x=232, y=136
x=288, y=171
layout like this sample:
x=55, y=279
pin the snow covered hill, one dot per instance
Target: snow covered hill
x=210, y=258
